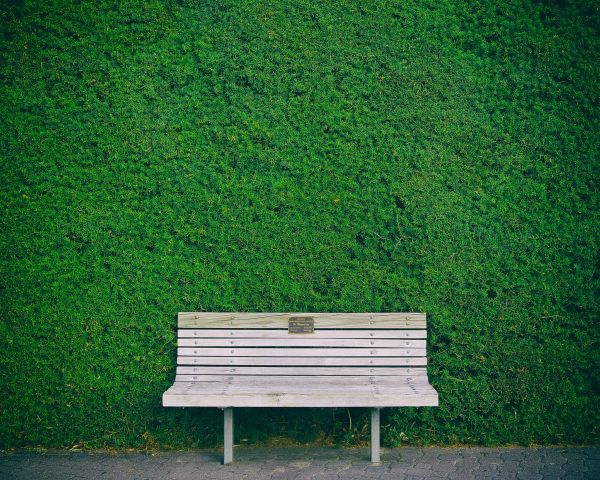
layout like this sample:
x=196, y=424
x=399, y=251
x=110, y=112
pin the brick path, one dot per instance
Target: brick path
x=310, y=463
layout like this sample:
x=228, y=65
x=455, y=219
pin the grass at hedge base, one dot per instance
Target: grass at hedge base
x=299, y=156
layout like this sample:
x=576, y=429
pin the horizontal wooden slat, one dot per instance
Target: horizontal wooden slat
x=280, y=320
x=354, y=394
x=291, y=384
x=281, y=333
x=301, y=400
x=302, y=352
x=304, y=361
x=325, y=371
x=208, y=388
x=301, y=342
x=305, y=379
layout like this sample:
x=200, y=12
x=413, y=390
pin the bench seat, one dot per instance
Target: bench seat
x=372, y=360
x=301, y=391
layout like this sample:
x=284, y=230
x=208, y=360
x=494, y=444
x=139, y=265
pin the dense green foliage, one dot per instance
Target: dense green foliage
x=428, y=156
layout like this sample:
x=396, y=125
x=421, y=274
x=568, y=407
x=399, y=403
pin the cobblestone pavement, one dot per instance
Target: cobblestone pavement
x=310, y=463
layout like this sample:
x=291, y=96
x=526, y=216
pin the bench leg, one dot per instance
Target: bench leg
x=375, y=435
x=227, y=435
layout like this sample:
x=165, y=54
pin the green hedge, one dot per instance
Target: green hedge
x=428, y=156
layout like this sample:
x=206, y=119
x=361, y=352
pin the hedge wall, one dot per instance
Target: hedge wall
x=431, y=156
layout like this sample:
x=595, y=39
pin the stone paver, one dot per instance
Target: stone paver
x=310, y=464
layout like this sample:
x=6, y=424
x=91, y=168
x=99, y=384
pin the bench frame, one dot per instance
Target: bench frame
x=239, y=339
x=228, y=435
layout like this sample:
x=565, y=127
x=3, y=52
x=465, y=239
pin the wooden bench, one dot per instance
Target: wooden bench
x=228, y=360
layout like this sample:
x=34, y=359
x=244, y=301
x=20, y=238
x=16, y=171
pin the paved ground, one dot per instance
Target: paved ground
x=311, y=463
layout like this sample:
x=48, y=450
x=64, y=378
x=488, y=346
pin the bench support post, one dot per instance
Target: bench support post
x=227, y=435
x=375, y=435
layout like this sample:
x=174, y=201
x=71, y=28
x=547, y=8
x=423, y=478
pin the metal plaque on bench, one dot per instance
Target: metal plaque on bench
x=301, y=325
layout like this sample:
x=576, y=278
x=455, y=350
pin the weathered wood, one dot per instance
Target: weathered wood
x=224, y=388
x=307, y=399
x=315, y=371
x=301, y=342
x=304, y=361
x=335, y=385
x=302, y=352
x=304, y=380
x=281, y=333
x=231, y=360
x=280, y=320
x=237, y=390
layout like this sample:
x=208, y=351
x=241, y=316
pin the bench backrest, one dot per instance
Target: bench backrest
x=369, y=344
